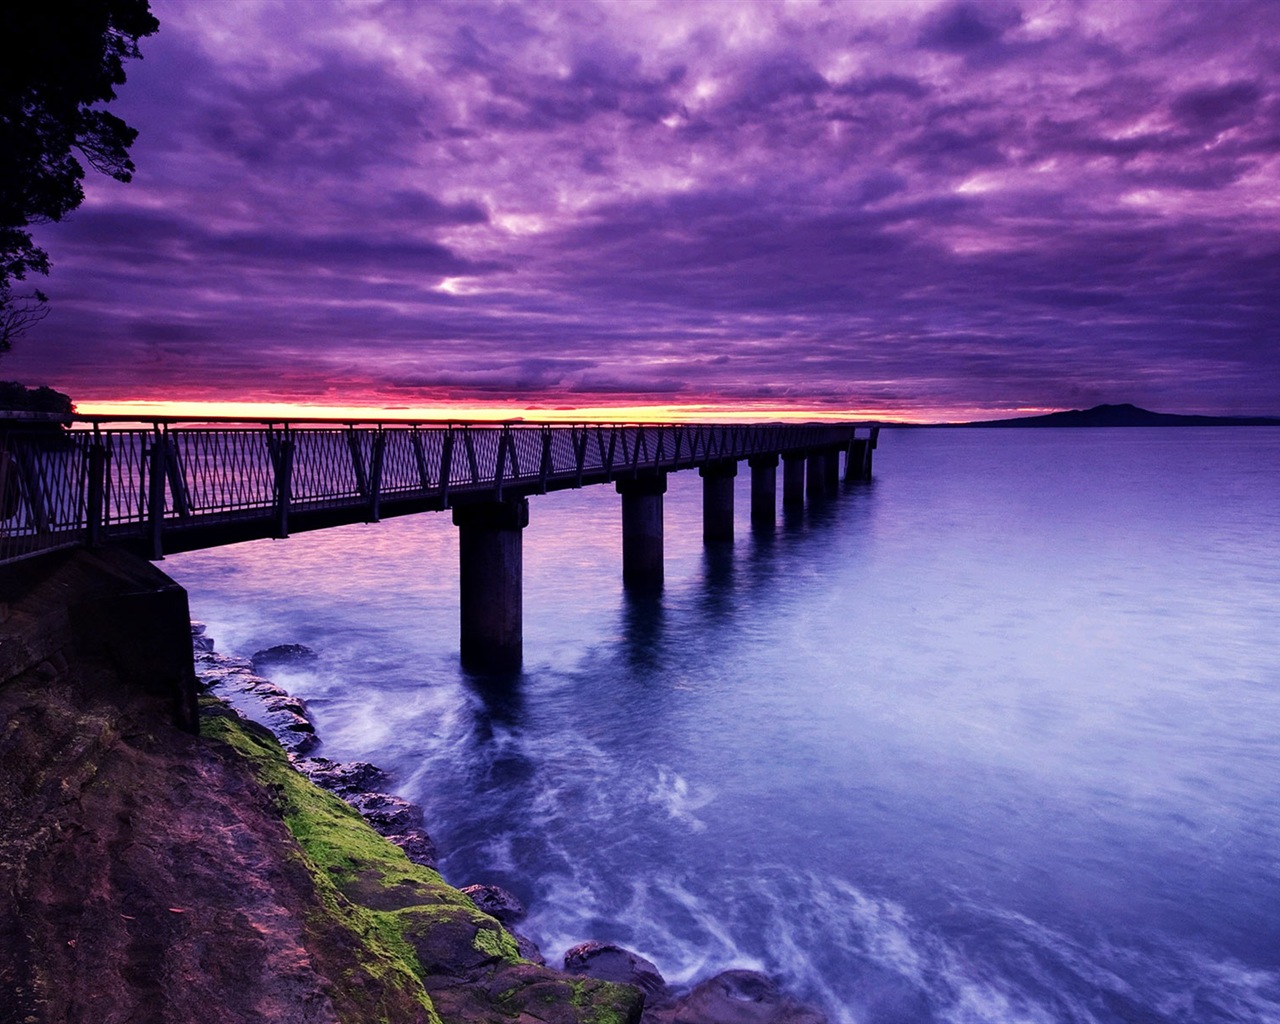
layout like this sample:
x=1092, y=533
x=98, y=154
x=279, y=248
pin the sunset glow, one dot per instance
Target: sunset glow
x=284, y=412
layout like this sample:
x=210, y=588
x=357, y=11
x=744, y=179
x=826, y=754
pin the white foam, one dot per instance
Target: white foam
x=674, y=794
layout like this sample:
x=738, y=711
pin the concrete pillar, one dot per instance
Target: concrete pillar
x=792, y=481
x=642, y=531
x=816, y=482
x=854, y=460
x=717, y=499
x=764, y=490
x=831, y=468
x=491, y=584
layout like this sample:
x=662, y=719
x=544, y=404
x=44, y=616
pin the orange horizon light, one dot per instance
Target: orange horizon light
x=693, y=412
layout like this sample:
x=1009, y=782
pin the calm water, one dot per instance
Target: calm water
x=995, y=738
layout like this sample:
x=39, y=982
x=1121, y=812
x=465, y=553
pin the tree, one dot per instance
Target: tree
x=58, y=58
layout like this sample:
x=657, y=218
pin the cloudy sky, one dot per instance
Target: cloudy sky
x=890, y=208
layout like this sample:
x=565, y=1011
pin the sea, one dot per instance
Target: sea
x=993, y=738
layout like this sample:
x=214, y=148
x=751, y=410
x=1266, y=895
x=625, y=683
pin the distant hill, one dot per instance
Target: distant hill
x=1124, y=416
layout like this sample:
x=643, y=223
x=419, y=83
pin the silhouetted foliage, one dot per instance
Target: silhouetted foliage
x=19, y=398
x=58, y=58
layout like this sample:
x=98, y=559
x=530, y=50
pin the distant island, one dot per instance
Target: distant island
x=1125, y=415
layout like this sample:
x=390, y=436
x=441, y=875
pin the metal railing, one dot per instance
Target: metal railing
x=174, y=485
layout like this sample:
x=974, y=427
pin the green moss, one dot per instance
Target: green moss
x=497, y=943
x=335, y=842
x=603, y=1002
x=412, y=926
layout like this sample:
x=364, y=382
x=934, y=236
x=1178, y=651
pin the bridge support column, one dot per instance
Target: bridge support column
x=717, y=500
x=764, y=490
x=642, y=531
x=871, y=446
x=491, y=581
x=854, y=460
x=792, y=480
x=816, y=482
x=831, y=470
x=860, y=449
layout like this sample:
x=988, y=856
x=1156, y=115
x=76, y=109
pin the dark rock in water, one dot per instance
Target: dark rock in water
x=608, y=962
x=417, y=846
x=389, y=815
x=739, y=997
x=218, y=669
x=496, y=902
x=287, y=717
x=204, y=644
x=529, y=949
x=282, y=654
x=284, y=702
x=296, y=734
x=343, y=778
x=198, y=628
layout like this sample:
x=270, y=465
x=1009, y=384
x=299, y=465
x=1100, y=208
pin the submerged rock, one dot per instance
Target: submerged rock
x=283, y=654
x=496, y=902
x=609, y=962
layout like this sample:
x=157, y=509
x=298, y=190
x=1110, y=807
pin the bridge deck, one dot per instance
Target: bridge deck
x=175, y=486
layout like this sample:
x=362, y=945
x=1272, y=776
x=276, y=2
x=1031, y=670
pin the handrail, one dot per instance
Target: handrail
x=177, y=483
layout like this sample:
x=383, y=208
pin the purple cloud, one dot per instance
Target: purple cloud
x=913, y=209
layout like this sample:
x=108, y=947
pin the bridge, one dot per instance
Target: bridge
x=171, y=485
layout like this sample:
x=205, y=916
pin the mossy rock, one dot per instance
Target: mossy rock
x=456, y=943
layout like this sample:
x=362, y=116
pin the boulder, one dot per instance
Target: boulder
x=219, y=670
x=417, y=846
x=286, y=717
x=529, y=949
x=496, y=902
x=608, y=962
x=282, y=654
x=389, y=815
x=342, y=777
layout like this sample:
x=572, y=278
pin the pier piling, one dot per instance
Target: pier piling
x=764, y=490
x=491, y=583
x=793, y=481
x=642, y=531
x=816, y=475
x=831, y=471
x=717, y=500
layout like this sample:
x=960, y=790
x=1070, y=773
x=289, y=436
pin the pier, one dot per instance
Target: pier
x=174, y=485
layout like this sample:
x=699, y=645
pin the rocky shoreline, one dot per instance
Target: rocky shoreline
x=731, y=997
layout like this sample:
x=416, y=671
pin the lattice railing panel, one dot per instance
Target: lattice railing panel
x=61, y=486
